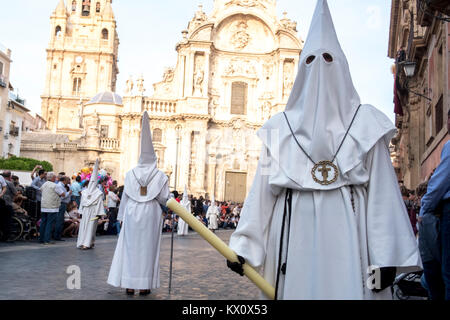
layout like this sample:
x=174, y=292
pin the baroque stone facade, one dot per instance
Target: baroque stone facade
x=420, y=34
x=81, y=61
x=235, y=69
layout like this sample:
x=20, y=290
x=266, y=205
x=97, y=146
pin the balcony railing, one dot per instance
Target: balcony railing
x=109, y=144
x=160, y=107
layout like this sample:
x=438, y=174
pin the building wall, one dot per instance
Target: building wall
x=5, y=61
x=236, y=43
x=11, y=145
x=424, y=40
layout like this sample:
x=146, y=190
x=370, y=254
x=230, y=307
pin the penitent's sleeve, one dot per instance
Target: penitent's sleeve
x=250, y=238
x=391, y=241
x=122, y=206
x=163, y=195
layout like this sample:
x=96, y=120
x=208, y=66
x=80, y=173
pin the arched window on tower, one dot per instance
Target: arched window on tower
x=105, y=34
x=157, y=135
x=239, y=98
x=58, y=31
x=76, y=86
x=86, y=8
x=74, y=6
x=97, y=7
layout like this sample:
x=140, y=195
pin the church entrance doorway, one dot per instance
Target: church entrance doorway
x=235, y=186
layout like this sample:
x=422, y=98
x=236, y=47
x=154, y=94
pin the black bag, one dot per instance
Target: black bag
x=30, y=193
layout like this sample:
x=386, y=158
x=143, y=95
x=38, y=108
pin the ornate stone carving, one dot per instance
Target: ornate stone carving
x=267, y=110
x=240, y=38
x=247, y=3
x=237, y=67
x=199, y=18
x=288, y=23
x=169, y=73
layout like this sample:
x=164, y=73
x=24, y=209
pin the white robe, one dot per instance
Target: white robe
x=89, y=210
x=330, y=246
x=213, y=217
x=136, y=259
x=183, y=227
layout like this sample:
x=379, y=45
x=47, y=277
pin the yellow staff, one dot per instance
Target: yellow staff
x=220, y=246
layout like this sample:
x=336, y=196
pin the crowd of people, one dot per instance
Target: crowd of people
x=412, y=200
x=56, y=209
x=228, y=217
x=55, y=200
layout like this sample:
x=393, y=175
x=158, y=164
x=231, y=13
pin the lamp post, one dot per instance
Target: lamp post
x=178, y=131
x=409, y=68
x=218, y=157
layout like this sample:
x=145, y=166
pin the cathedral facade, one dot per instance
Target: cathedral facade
x=235, y=69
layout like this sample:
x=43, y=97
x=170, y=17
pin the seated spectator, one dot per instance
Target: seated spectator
x=71, y=220
x=17, y=204
x=167, y=226
x=102, y=225
x=19, y=187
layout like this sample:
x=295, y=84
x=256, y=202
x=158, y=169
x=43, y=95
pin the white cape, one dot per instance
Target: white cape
x=213, y=217
x=330, y=246
x=89, y=209
x=136, y=259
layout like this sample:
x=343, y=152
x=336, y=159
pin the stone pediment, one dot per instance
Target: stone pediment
x=244, y=33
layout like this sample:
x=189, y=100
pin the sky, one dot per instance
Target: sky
x=149, y=30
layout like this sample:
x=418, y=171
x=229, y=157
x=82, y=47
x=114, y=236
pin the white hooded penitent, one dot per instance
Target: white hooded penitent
x=213, y=215
x=136, y=259
x=183, y=227
x=340, y=228
x=91, y=206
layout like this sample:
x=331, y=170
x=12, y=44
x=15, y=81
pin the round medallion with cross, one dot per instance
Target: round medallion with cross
x=327, y=169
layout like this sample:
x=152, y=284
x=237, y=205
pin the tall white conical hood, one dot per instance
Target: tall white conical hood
x=146, y=169
x=92, y=194
x=185, y=199
x=213, y=203
x=323, y=99
x=148, y=156
x=93, y=182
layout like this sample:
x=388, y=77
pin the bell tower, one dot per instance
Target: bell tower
x=81, y=61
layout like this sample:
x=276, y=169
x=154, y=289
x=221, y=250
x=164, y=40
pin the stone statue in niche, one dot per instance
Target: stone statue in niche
x=213, y=106
x=140, y=85
x=288, y=81
x=129, y=85
x=198, y=83
x=240, y=38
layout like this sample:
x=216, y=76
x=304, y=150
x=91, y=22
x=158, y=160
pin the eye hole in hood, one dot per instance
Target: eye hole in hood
x=310, y=59
x=327, y=57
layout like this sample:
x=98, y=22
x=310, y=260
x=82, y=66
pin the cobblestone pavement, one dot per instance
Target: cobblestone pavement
x=29, y=270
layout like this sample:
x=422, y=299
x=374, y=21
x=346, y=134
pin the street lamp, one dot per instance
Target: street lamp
x=409, y=68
